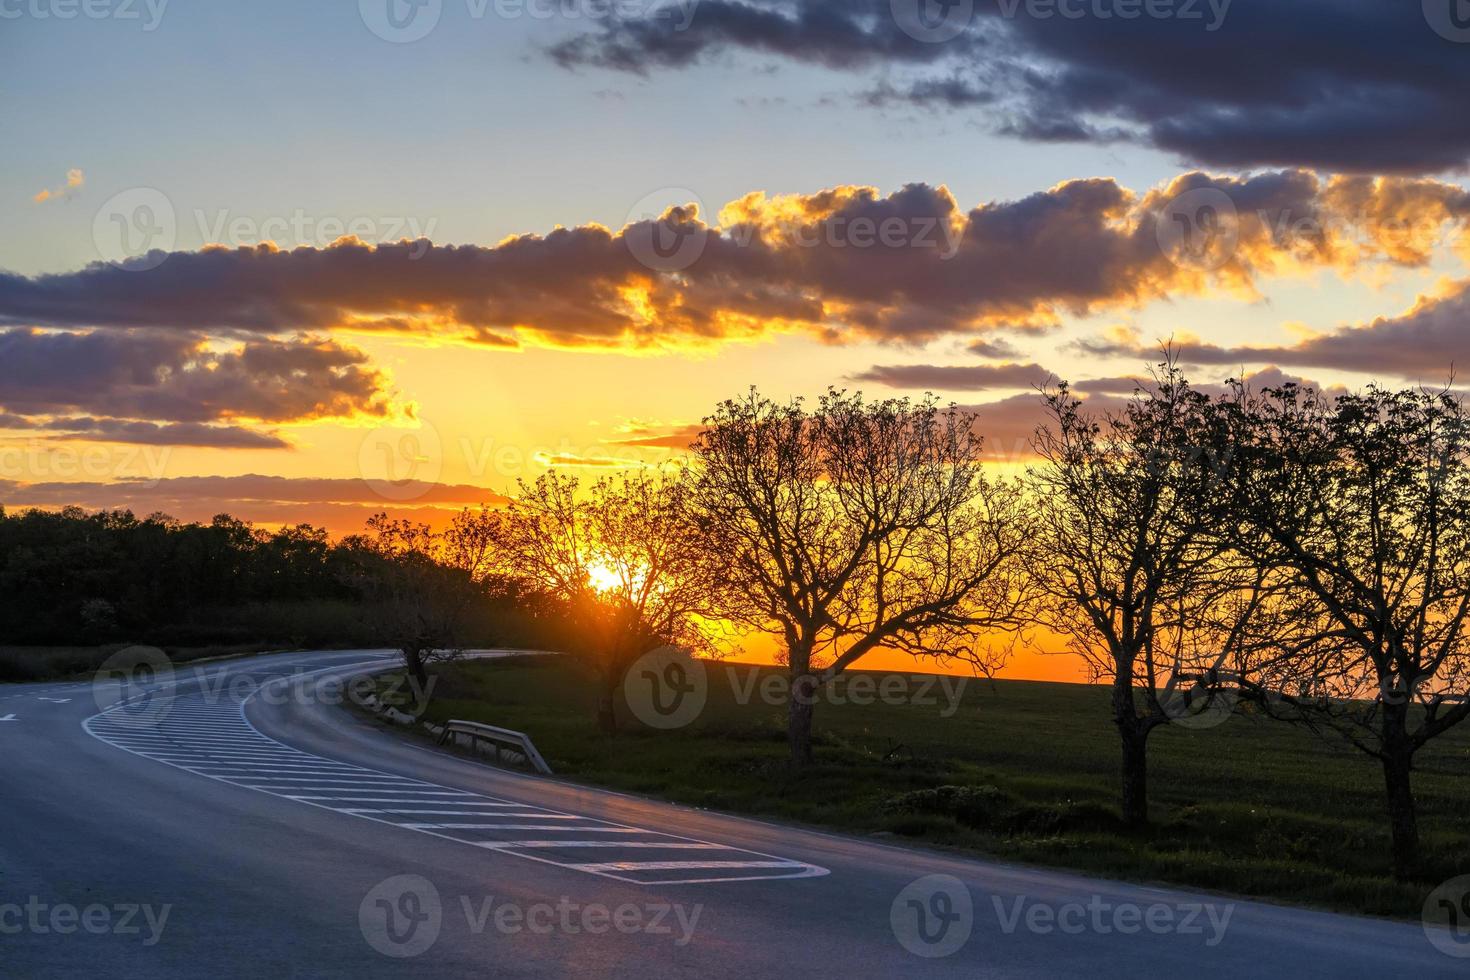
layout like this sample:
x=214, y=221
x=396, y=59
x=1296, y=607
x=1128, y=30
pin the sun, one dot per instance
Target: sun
x=603, y=577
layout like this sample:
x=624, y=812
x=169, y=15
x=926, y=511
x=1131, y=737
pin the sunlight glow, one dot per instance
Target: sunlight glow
x=603, y=576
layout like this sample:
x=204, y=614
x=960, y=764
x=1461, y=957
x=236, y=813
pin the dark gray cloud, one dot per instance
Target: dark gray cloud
x=1428, y=344
x=164, y=387
x=995, y=347
x=835, y=33
x=134, y=432
x=847, y=263
x=1343, y=85
x=966, y=377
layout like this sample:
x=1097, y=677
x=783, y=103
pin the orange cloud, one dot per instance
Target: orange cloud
x=74, y=179
x=340, y=505
x=843, y=264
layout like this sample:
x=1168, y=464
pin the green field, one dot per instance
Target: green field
x=1021, y=770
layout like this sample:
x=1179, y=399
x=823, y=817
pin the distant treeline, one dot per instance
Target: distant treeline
x=72, y=578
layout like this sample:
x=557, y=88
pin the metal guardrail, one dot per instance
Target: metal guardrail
x=519, y=741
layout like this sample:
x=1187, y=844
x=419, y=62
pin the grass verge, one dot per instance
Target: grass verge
x=24, y=664
x=1018, y=770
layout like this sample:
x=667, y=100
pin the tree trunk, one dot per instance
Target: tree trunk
x=414, y=660
x=1135, y=779
x=1134, y=737
x=1403, y=821
x=607, y=714
x=799, y=718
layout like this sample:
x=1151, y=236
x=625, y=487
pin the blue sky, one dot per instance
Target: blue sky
x=293, y=122
x=266, y=107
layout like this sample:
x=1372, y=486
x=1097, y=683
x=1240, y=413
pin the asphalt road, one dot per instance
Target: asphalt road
x=234, y=820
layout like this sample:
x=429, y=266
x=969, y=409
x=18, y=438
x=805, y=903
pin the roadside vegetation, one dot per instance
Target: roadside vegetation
x=1019, y=770
x=1291, y=564
x=76, y=587
x=54, y=663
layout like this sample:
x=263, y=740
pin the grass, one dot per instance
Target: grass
x=1023, y=771
x=59, y=663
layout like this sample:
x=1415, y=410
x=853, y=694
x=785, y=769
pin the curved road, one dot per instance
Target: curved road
x=233, y=820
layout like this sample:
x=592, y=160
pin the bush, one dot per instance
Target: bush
x=974, y=806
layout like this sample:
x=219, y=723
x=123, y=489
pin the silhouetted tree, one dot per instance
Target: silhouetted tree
x=1361, y=506
x=415, y=600
x=854, y=527
x=621, y=561
x=1128, y=562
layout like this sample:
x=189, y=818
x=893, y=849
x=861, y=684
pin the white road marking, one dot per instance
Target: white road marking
x=674, y=865
x=213, y=738
x=352, y=800
x=580, y=830
x=676, y=846
x=488, y=826
x=10, y=717
x=429, y=813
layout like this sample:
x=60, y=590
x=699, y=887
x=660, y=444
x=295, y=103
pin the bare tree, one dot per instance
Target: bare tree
x=419, y=585
x=1361, y=505
x=622, y=563
x=1127, y=563
x=857, y=526
x=473, y=543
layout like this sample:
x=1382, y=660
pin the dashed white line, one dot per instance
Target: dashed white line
x=217, y=741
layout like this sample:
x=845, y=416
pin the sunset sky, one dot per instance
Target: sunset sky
x=263, y=258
